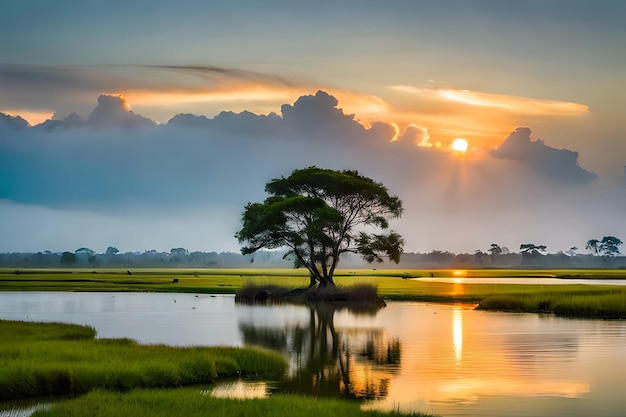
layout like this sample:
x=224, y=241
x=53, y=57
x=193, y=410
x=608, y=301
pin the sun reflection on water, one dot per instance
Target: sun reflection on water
x=457, y=334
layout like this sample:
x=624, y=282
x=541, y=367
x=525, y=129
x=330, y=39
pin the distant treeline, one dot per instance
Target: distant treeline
x=182, y=258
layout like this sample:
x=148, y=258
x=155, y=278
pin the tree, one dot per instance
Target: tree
x=532, y=249
x=320, y=214
x=85, y=251
x=495, y=250
x=68, y=258
x=112, y=250
x=178, y=254
x=593, y=245
x=608, y=246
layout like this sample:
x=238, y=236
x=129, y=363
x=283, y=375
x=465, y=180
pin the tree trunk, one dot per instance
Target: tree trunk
x=326, y=282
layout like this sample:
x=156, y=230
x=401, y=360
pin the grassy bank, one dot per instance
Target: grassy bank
x=190, y=402
x=584, y=303
x=59, y=359
x=55, y=359
x=567, y=300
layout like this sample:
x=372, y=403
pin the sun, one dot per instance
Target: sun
x=459, y=145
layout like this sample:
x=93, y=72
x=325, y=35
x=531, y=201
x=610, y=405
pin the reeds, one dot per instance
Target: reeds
x=359, y=295
x=608, y=304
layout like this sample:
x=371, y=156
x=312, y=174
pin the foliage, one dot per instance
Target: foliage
x=608, y=246
x=319, y=215
x=112, y=250
x=532, y=249
x=358, y=296
x=274, y=259
x=85, y=251
x=68, y=258
x=495, y=250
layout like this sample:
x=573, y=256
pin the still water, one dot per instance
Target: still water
x=444, y=359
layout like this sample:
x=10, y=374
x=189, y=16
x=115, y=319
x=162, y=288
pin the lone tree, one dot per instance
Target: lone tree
x=320, y=214
x=608, y=246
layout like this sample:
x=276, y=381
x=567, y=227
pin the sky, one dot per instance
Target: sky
x=150, y=124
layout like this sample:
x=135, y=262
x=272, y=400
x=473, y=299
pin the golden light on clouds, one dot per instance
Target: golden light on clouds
x=174, y=97
x=516, y=104
x=256, y=97
x=484, y=119
x=33, y=117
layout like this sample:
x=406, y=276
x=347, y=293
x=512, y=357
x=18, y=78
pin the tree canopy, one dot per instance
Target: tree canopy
x=608, y=246
x=320, y=214
x=532, y=249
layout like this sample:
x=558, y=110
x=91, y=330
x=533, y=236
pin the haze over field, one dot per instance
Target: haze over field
x=165, y=120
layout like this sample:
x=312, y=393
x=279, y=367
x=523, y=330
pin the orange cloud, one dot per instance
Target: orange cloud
x=251, y=95
x=482, y=118
x=33, y=117
x=516, y=104
x=172, y=85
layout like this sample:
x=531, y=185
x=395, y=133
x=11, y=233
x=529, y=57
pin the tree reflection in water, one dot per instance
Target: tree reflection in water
x=354, y=362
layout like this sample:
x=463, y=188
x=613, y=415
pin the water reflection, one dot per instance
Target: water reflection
x=457, y=334
x=457, y=361
x=240, y=389
x=357, y=362
x=449, y=360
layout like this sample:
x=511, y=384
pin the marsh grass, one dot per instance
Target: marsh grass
x=576, y=300
x=67, y=360
x=358, y=295
x=191, y=402
x=583, y=302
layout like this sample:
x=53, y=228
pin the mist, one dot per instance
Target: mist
x=118, y=179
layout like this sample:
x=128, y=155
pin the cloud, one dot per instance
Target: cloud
x=309, y=116
x=211, y=71
x=503, y=102
x=156, y=89
x=557, y=164
x=417, y=135
x=206, y=170
x=13, y=122
x=481, y=118
x=113, y=111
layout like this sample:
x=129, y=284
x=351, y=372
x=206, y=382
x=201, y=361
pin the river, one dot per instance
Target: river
x=445, y=359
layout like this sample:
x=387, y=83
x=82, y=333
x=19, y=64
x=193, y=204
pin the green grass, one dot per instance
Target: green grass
x=568, y=300
x=191, y=402
x=121, y=377
x=581, y=302
x=57, y=359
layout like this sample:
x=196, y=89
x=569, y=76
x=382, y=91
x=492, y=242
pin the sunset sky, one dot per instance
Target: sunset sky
x=398, y=82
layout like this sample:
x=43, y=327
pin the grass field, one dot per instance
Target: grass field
x=572, y=300
x=190, y=402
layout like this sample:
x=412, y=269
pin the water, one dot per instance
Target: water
x=461, y=279
x=444, y=359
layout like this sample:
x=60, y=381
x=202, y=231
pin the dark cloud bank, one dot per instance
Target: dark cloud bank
x=116, y=162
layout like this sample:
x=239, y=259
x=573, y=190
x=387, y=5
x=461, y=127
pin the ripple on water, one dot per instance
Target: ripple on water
x=23, y=411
